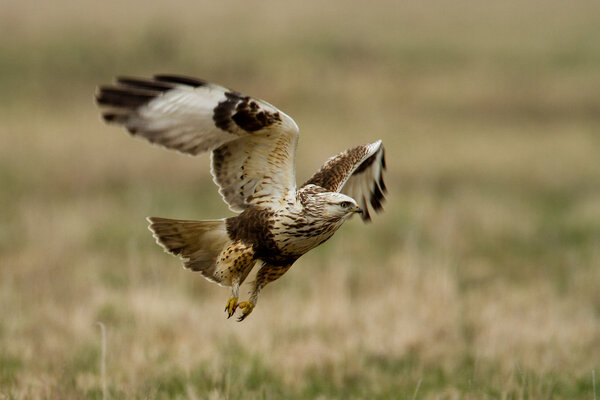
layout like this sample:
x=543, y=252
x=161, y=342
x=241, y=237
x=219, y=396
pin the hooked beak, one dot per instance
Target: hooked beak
x=356, y=209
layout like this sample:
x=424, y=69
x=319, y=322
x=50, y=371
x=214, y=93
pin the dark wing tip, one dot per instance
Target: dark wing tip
x=376, y=195
x=366, y=216
x=127, y=95
x=131, y=93
x=377, y=198
x=381, y=184
x=118, y=97
x=115, y=117
x=146, y=84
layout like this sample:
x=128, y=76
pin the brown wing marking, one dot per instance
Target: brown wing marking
x=253, y=143
x=357, y=172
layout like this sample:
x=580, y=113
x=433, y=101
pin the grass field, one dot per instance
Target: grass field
x=480, y=281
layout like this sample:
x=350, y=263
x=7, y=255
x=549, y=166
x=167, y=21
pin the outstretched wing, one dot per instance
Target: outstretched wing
x=357, y=172
x=253, y=144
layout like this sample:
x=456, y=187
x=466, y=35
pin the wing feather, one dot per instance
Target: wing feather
x=357, y=172
x=253, y=143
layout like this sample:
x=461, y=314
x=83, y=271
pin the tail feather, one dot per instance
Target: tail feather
x=197, y=243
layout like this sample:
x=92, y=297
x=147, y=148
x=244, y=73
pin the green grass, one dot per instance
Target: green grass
x=480, y=280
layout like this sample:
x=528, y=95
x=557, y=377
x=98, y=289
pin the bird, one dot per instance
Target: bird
x=252, y=147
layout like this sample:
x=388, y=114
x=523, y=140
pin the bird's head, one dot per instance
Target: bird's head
x=337, y=206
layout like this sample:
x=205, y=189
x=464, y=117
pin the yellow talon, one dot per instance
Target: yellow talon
x=231, y=305
x=247, y=308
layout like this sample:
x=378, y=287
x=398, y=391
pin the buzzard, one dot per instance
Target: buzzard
x=253, y=146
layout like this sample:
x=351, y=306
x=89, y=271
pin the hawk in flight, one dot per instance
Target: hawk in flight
x=253, y=147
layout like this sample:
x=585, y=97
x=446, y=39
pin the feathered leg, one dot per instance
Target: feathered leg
x=232, y=303
x=239, y=271
x=267, y=273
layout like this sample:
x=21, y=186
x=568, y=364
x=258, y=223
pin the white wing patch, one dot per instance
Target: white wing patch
x=256, y=170
x=181, y=119
x=253, y=143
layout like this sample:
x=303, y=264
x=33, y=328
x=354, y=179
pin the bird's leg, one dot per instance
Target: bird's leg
x=237, y=260
x=232, y=303
x=247, y=307
x=267, y=273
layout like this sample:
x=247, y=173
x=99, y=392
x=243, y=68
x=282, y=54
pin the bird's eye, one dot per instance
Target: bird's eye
x=345, y=204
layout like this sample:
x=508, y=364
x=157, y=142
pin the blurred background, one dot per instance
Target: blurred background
x=480, y=280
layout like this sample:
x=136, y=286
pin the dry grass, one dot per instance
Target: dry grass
x=480, y=280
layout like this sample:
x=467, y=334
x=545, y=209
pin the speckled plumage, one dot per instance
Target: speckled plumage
x=253, y=146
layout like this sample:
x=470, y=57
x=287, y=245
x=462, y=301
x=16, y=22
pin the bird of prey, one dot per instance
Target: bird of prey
x=253, y=148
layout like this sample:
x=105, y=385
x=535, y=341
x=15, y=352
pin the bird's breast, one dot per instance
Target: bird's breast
x=296, y=235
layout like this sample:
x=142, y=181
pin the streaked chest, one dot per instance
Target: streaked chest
x=295, y=233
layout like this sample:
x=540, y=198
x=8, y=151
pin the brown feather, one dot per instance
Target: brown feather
x=352, y=167
x=197, y=243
